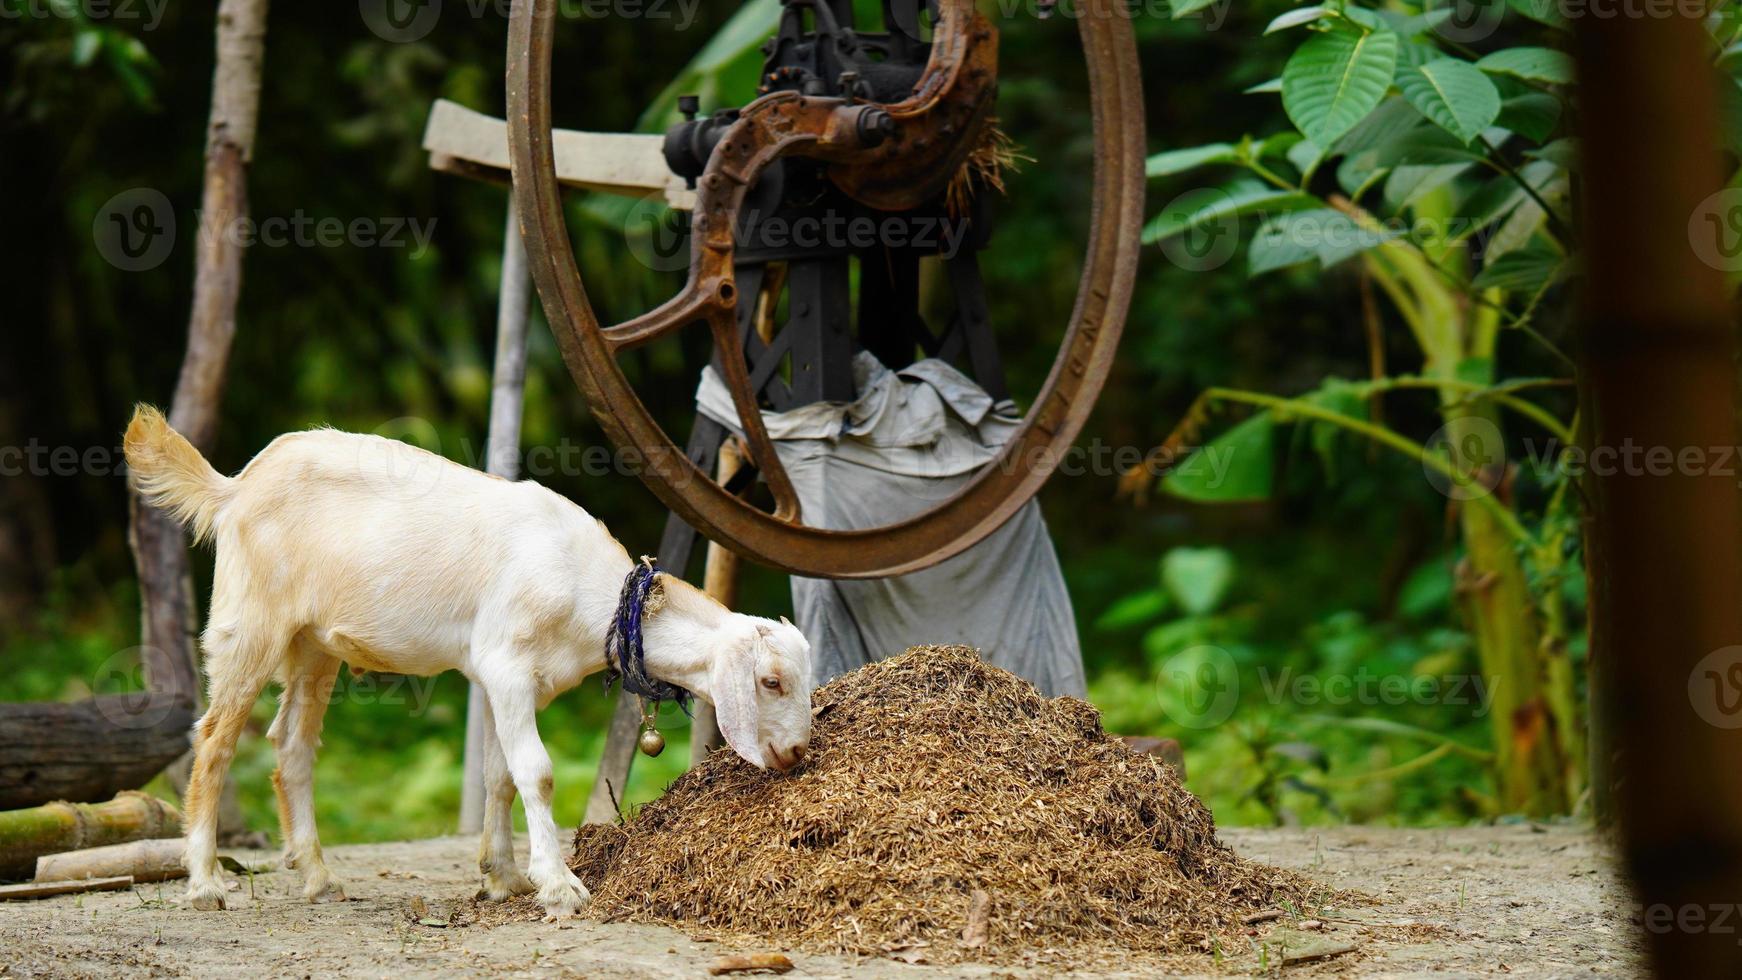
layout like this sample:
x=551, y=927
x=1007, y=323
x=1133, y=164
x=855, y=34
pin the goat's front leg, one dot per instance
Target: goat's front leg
x=502, y=878
x=515, y=707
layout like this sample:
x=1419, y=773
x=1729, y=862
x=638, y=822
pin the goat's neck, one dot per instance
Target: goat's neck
x=679, y=639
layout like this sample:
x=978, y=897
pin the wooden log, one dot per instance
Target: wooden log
x=167, y=610
x=141, y=860
x=49, y=889
x=88, y=751
x=26, y=835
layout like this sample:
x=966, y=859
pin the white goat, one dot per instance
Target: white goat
x=333, y=547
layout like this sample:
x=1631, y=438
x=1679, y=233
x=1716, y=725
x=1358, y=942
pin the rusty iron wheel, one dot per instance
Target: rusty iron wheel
x=957, y=86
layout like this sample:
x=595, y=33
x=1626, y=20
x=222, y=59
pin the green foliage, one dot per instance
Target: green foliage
x=1336, y=78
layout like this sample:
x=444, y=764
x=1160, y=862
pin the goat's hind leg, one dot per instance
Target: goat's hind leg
x=296, y=734
x=502, y=877
x=237, y=669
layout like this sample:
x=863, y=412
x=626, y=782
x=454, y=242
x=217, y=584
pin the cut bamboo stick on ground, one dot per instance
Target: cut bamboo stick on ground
x=49, y=889
x=145, y=860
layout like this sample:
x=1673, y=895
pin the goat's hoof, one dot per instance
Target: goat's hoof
x=498, y=888
x=331, y=892
x=207, y=898
x=563, y=898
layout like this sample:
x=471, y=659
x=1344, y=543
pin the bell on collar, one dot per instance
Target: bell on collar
x=652, y=743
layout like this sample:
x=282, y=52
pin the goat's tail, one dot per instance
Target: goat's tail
x=171, y=474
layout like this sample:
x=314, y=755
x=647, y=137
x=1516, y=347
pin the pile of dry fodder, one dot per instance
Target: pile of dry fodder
x=933, y=776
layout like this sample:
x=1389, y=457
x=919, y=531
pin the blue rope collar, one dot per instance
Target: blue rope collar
x=625, y=657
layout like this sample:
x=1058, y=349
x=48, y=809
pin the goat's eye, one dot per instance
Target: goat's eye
x=772, y=683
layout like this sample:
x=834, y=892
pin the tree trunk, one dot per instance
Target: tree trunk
x=90, y=750
x=160, y=548
x=1659, y=354
x=26, y=835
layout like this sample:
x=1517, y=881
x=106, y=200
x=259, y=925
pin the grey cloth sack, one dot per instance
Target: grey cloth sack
x=910, y=440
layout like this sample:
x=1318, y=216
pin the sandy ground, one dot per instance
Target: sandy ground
x=1517, y=900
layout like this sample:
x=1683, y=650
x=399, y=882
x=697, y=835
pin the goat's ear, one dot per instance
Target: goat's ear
x=734, y=681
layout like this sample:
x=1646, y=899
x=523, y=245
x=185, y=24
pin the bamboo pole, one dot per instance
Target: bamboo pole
x=502, y=458
x=26, y=835
x=720, y=580
x=141, y=860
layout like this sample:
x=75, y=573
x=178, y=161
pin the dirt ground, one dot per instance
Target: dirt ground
x=1516, y=900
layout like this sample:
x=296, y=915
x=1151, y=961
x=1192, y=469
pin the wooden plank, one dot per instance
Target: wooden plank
x=48, y=889
x=471, y=144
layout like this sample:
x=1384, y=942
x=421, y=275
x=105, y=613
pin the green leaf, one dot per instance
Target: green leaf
x=1262, y=88
x=1297, y=17
x=1343, y=398
x=1198, y=577
x=1563, y=153
x=1406, y=185
x=1547, y=12
x=1306, y=157
x=85, y=46
x=1454, y=95
x=1281, y=144
x=1424, y=146
x=1502, y=195
x=1527, y=270
x=1534, y=114
x=731, y=60
x=1179, y=161
x=1324, y=234
x=1421, y=23
x=1275, y=246
x=1183, y=8
x=1235, y=467
x=1531, y=64
x=1207, y=206
x=1335, y=79
x=1133, y=610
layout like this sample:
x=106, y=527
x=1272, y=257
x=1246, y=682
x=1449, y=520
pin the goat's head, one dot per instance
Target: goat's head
x=761, y=680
